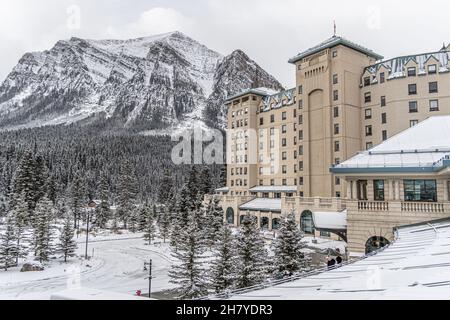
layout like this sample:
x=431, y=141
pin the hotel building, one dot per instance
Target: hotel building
x=287, y=151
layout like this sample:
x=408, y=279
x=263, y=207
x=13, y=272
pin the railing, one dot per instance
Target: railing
x=422, y=207
x=373, y=206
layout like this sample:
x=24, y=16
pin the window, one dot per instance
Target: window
x=366, y=81
x=413, y=106
x=335, y=95
x=300, y=150
x=283, y=128
x=384, y=135
x=284, y=142
x=368, y=114
x=284, y=169
x=411, y=71
x=412, y=89
x=300, y=181
x=433, y=87
x=383, y=118
x=261, y=121
x=306, y=222
x=383, y=101
x=382, y=77
x=367, y=97
x=284, y=155
x=300, y=135
x=272, y=132
x=300, y=104
x=412, y=123
x=336, y=128
x=337, y=181
x=337, y=146
x=272, y=144
x=261, y=182
x=336, y=112
x=284, y=115
x=420, y=190
x=378, y=190
x=337, y=161
x=233, y=114
x=432, y=69
x=334, y=54
x=300, y=89
x=272, y=182
x=434, y=105
x=335, y=79
x=295, y=113
x=300, y=119
x=284, y=183
x=272, y=118
x=369, y=145
x=368, y=131
x=300, y=166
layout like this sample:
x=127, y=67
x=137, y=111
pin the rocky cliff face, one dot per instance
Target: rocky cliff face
x=151, y=83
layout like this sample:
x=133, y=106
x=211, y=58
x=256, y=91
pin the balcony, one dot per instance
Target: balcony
x=423, y=207
x=373, y=206
x=400, y=207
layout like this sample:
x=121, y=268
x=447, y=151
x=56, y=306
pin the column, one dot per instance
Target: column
x=397, y=190
x=354, y=190
x=445, y=190
x=390, y=190
x=349, y=189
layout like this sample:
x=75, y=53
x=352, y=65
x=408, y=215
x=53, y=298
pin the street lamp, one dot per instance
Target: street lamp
x=150, y=277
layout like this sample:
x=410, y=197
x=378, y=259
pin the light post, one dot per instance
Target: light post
x=150, y=277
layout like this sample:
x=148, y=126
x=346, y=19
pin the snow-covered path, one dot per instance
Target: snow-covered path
x=117, y=266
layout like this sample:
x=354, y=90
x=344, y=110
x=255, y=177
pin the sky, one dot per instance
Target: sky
x=269, y=31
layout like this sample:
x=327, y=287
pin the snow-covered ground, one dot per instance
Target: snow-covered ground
x=117, y=266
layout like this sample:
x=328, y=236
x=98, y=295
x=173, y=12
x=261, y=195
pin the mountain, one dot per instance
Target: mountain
x=152, y=83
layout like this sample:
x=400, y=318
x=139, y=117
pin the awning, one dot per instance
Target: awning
x=262, y=204
x=290, y=189
x=336, y=221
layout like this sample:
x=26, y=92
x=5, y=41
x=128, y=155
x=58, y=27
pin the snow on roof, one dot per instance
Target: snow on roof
x=92, y=294
x=330, y=220
x=279, y=99
x=262, y=204
x=223, y=189
x=397, y=68
x=425, y=146
x=415, y=266
x=258, y=91
x=333, y=42
x=274, y=189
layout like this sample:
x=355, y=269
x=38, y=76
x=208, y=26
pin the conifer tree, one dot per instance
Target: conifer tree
x=205, y=183
x=44, y=230
x=224, y=266
x=189, y=272
x=19, y=216
x=150, y=228
x=214, y=220
x=102, y=211
x=164, y=224
x=8, y=245
x=77, y=199
x=127, y=192
x=67, y=245
x=287, y=247
x=251, y=253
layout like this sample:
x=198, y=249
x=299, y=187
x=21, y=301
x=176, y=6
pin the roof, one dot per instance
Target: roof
x=262, y=204
x=422, y=148
x=274, y=189
x=330, y=220
x=396, y=66
x=279, y=100
x=333, y=42
x=415, y=266
x=257, y=91
x=223, y=189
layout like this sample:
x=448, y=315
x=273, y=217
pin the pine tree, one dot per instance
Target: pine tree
x=214, y=220
x=67, y=245
x=102, y=211
x=165, y=188
x=127, y=192
x=287, y=247
x=205, y=183
x=8, y=245
x=252, y=254
x=19, y=216
x=77, y=199
x=150, y=228
x=189, y=273
x=43, y=230
x=51, y=189
x=133, y=220
x=143, y=213
x=164, y=224
x=224, y=266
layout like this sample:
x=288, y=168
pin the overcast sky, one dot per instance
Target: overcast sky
x=269, y=31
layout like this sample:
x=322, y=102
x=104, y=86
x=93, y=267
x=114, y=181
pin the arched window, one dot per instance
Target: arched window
x=241, y=219
x=376, y=243
x=306, y=222
x=276, y=224
x=230, y=216
x=264, y=223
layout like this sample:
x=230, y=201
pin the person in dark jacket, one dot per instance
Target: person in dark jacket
x=338, y=260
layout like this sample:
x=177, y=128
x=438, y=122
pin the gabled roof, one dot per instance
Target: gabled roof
x=422, y=148
x=333, y=42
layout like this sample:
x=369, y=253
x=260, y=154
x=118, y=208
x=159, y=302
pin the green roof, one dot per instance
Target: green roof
x=333, y=42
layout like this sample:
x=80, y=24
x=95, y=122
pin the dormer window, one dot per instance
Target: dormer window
x=432, y=69
x=411, y=71
x=366, y=81
x=382, y=77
